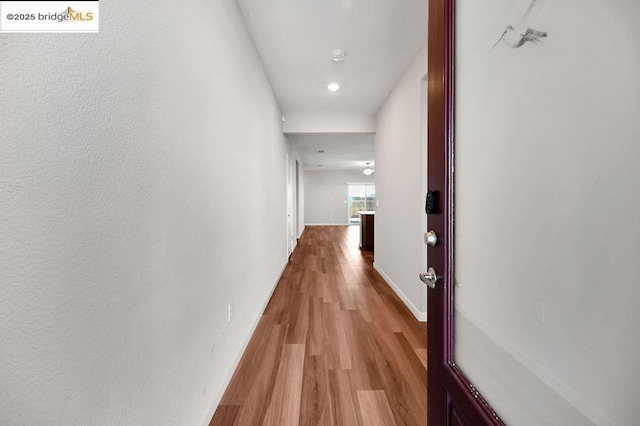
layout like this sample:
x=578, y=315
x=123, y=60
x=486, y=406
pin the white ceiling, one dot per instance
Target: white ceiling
x=342, y=151
x=295, y=38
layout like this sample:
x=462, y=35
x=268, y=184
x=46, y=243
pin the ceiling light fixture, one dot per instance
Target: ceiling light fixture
x=338, y=55
x=368, y=171
x=333, y=86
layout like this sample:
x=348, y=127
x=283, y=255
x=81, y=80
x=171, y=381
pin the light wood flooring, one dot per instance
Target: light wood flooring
x=335, y=346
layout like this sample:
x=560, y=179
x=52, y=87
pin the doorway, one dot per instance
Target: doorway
x=361, y=197
x=290, y=235
x=297, y=214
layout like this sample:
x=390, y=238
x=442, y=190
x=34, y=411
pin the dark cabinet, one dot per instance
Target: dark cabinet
x=366, y=230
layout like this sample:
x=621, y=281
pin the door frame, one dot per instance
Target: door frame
x=290, y=205
x=453, y=400
x=296, y=227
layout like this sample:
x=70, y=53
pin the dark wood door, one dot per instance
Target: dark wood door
x=452, y=398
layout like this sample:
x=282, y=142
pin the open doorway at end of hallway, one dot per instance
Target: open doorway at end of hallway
x=361, y=198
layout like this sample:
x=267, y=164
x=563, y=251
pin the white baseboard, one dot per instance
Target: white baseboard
x=243, y=348
x=420, y=316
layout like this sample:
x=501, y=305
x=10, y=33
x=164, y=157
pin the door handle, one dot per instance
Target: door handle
x=430, y=278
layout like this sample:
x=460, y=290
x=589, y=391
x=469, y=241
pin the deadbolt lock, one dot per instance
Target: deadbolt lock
x=430, y=238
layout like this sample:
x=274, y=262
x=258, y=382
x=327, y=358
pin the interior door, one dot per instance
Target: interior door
x=452, y=399
x=530, y=316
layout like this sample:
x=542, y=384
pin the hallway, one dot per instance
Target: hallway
x=335, y=345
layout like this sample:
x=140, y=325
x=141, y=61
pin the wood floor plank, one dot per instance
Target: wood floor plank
x=298, y=319
x=259, y=380
x=262, y=357
x=335, y=346
x=413, y=330
x=366, y=374
x=315, y=333
x=329, y=290
x=284, y=407
x=306, y=281
x=345, y=295
x=226, y=415
x=315, y=407
x=422, y=355
x=375, y=409
x=331, y=343
x=385, y=319
x=414, y=372
x=405, y=376
x=344, y=405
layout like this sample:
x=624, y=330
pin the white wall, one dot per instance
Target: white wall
x=301, y=123
x=142, y=175
x=326, y=200
x=547, y=212
x=399, y=188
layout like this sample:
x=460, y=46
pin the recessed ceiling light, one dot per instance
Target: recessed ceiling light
x=338, y=55
x=333, y=86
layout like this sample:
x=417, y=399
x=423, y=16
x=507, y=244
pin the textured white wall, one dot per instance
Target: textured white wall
x=298, y=123
x=399, y=187
x=547, y=211
x=326, y=195
x=142, y=179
